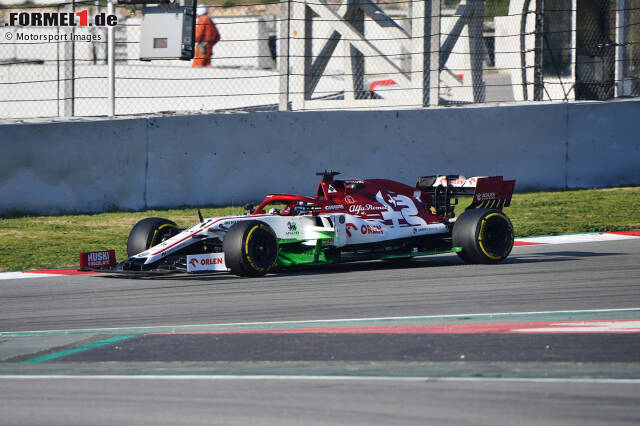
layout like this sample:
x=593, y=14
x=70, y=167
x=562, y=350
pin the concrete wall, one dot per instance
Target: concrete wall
x=72, y=166
x=603, y=144
x=234, y=158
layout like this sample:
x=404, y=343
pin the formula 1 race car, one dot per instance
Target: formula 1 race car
x=347, y=220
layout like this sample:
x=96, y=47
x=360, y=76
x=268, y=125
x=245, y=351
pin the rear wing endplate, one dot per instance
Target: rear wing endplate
x=488, y=192
x=492, y=193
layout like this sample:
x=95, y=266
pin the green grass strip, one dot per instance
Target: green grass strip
x=44, y=242
x=54, y=355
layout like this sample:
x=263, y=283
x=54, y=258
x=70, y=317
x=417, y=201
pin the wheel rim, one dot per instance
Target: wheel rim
x=164, y=232
x=260, y=249
x=496, y=236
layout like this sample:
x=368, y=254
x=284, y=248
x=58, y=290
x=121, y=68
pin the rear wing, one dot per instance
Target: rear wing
x=492, y=193
x=488, y=192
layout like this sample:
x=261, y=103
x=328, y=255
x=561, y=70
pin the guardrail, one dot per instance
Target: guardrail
x=223, y=159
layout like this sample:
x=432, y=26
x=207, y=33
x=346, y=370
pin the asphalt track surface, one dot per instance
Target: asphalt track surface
x=602, y=387
x=537, y=278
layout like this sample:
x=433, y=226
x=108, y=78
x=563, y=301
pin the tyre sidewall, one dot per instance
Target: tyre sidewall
x=470, y=233
x=147, y=233
x=237, y=248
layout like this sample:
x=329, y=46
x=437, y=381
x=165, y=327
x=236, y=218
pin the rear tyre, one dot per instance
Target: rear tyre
x=250, y=248
x=485, y=235
x=148, y=233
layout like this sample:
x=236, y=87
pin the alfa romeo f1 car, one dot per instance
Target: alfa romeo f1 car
x=347, y=220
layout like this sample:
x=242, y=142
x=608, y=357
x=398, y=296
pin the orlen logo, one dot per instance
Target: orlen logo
x=214, y=261
x=442, y=180
x=371, y=229
x=206, y=262
x=364, y=229
x=350, y=226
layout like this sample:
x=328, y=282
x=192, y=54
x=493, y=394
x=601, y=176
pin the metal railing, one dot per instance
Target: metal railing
x=329, y=54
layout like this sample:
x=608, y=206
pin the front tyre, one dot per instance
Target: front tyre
x=149, y=232
x=485, y=235
x=250, y=248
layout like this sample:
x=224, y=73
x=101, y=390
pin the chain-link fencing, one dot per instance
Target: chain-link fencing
x=326, y=54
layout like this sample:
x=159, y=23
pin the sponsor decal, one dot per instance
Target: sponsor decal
x=334, y=207
x=349, y=199
x=363, y=208
x=292, y=230
x=486, y=196
x=350, y=226
x=364, y=229
x=98, y=259
x=442, y=180
x=227, y=224
x=332, y=190
x=371, y=229
x=206, y=262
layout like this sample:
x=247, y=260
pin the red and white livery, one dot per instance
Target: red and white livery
x=346, y=220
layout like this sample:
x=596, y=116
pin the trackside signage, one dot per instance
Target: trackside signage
x=206, y=262
x=98, y=259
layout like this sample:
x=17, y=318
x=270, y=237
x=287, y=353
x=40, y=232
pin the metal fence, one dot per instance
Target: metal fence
x=331, y=54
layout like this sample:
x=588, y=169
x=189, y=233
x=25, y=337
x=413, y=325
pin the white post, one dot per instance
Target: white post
x=297, y=51
x=67, y=72
x=419, y=60
x=620, y=45
x=111, y=62
x=433, y=85
x=283, y=54
x=425, y=62
x=571, y=92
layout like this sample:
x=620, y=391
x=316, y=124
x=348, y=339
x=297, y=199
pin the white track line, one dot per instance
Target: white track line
x=22, y=275
x=325, y=378
x=576, y=238
x=156, y=328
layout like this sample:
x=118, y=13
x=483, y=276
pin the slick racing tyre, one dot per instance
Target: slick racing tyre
x=149, y=232
x=250, y=248
x=485, y=235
